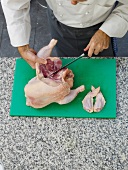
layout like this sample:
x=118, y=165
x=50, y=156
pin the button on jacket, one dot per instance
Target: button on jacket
x=82, y=15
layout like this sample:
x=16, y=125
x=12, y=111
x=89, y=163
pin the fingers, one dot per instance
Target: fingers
x=106, y=44
x=91, y=50
x=98, y=43
x=95, y=47
x=87, y=48
x=92, y=47
x=73, y=2
x=98, y=49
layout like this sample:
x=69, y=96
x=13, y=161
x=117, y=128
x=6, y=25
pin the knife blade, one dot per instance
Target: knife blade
x=82, y=55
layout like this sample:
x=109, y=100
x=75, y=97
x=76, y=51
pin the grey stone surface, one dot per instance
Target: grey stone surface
x=34, y=143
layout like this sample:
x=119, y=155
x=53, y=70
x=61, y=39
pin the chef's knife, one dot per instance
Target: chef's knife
x=82, y=55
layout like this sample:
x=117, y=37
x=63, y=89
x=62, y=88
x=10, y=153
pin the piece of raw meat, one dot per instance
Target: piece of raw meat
x=88, y=99
x=71, y=96
x=45, y=89
x=45, y=52
x=88, y=103
x=100, y=102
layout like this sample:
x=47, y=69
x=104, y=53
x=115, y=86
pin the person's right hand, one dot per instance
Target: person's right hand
x=74, y=2
x=30, y=56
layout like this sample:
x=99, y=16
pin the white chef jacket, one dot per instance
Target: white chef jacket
x=82, y=15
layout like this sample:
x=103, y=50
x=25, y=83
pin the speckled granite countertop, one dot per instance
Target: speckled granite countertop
x=31, y=143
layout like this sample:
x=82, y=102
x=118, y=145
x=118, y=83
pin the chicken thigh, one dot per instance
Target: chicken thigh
x=100, y=102
x=88, y=103
x=88, y=99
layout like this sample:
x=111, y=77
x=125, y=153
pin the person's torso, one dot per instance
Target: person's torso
x=84, y=14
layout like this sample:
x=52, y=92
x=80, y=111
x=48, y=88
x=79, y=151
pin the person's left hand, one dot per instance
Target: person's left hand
x=98, y=43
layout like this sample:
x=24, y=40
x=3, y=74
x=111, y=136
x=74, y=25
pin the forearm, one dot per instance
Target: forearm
x=18, y=21
x=116, y=25
x=23, y=48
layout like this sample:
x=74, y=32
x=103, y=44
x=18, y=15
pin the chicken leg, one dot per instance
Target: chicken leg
x=71, y=96
x=46, y=51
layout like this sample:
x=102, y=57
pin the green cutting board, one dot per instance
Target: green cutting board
x=96, y=72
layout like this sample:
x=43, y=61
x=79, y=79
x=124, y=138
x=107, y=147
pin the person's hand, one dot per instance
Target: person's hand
x=74, y=2
x=98, y=43
x=30, y=56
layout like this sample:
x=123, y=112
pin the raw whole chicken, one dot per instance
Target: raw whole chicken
x=46, y=88
x=88, y=101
